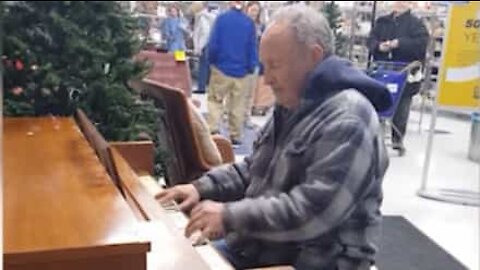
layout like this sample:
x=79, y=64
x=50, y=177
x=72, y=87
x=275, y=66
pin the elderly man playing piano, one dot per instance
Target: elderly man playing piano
x=310, y=193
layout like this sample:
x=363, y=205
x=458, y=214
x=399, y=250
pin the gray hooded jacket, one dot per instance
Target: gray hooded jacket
x=310, y=193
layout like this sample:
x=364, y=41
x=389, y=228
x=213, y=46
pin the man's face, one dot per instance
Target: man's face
x=253, y=12
x=236, y=4
x=286, y=64
x=400, y=6
x=173, y=12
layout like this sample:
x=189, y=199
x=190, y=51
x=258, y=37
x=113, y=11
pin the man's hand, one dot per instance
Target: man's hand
x=207, y=217
x=384, y=46
x=186, y=195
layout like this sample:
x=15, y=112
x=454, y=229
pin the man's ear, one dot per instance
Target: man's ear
x=317, y=53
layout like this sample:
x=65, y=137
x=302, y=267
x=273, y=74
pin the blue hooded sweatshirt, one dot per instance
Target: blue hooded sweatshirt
x=335, y=74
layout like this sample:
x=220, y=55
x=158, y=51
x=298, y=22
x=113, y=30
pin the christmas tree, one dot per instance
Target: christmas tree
x=60, y=55
x=332, y=13
x=63, y=55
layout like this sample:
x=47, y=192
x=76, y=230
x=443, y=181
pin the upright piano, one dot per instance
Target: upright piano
x=62, y=210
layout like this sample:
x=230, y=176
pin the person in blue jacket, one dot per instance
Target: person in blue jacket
x=174, y=29
x=233, y=54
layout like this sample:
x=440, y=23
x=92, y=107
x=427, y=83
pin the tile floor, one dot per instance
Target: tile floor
x=454, y=227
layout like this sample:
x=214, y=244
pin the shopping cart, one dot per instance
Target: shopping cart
x=394, y=75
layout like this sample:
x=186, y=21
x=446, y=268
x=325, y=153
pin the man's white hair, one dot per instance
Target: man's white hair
x=309, y=26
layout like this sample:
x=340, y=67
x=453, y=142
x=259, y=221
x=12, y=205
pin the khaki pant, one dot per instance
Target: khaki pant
x=228, y=91
x=263, y=97
x=251, y=86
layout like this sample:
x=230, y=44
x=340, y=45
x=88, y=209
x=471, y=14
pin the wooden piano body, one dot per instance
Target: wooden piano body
x=63, y=211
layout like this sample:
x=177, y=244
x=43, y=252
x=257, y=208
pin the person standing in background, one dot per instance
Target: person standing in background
x=400, y=37
x=174, y=29
x=204, y=20
x=254, y=11
x=232, y=52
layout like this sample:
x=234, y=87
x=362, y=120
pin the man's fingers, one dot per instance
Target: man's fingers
x=196, y=220
x=186, y=205
x=166, y=197
x=161, y=194
x=211, y=234
x=198, y=207
x=207, y=233
x=197, y=216
x=193, y=226
x=197, y=213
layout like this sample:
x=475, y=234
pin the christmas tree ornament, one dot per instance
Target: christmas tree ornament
x=106, y=68
x=19, y=65
x=17, y=91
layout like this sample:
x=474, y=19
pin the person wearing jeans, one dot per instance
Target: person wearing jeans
x=204, y=20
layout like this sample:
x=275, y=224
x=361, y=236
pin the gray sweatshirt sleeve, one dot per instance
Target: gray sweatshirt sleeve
x=229, y=182
x=225, y=183
x=341, y=172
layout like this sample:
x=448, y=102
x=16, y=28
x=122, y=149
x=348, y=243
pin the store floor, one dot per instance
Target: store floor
x=454, y=227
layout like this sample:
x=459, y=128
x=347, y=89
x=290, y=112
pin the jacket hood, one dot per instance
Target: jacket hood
x=335, y=74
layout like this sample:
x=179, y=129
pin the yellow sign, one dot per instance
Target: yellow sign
x=459, y=84
x=180, y=56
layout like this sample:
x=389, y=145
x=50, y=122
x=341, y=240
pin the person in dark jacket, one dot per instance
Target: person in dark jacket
x=400, y=37
x=310, y=193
